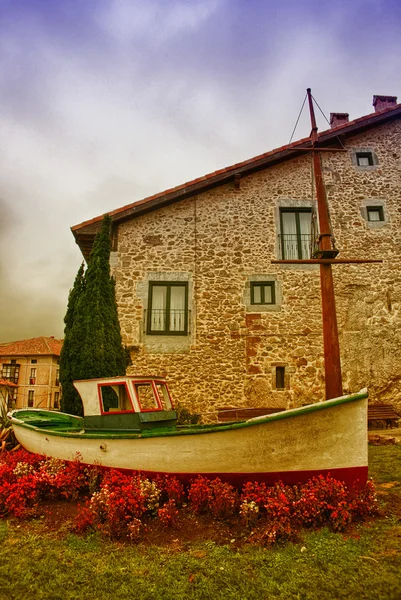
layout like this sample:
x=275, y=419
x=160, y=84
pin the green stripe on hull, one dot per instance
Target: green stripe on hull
x=72, y=427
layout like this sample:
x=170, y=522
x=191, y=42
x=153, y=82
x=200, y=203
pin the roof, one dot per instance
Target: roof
x=85, y=232
x=8, y=383
x=33, y=347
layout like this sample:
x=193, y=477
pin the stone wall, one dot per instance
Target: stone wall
x=220, y=240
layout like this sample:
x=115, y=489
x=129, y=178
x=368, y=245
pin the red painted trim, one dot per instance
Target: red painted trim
x=156, y=395
x=160, y=402
x=353, y=477
x=114, y=412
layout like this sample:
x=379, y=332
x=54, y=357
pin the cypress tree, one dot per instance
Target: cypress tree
x=102, y=352
x=92, y=337
x=70, y=353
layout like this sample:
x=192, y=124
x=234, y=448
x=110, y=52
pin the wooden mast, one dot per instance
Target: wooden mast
x=332, y=361
x=325, y=256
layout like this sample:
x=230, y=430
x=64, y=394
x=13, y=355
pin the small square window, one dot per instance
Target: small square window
x=34, y=361
x=375, y=213
x=263, y=292
x=364, y=159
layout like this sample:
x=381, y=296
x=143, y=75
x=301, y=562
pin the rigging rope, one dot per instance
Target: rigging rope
x=296, y=124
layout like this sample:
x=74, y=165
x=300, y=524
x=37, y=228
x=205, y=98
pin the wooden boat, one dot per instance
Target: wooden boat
x=130, y=423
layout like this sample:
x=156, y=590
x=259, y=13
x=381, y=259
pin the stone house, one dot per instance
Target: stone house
x=201, y=303
x=31, y=367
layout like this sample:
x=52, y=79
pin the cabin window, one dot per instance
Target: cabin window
x=168, y=308
x=146, y=397
x=295, y=236
x=375, y=213
x=263, y=292
x=280, y=378
x=115, y=398
x=31, y=397
x=164, y=396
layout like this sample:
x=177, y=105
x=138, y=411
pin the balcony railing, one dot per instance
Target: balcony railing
x=176, y=320
x=293, y=246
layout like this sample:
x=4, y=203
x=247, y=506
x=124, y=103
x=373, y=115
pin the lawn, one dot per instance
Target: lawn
x=364, y=563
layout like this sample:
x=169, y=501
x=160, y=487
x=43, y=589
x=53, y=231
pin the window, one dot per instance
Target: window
x=31, y=396
x=34, y=361
x=32, y=377
x=280, y=378
x=168, y=308
x=375, y=213
x=295, y=237
x=115, y=398
x=263, y=292
x=364, y=159
x=11, y=372
x=58, y=377
x=56, y=399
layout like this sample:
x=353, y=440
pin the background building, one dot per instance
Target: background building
x=33, y=367
x=201, y=303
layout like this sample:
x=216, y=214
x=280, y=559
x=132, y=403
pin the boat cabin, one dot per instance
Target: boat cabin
x=126, y=403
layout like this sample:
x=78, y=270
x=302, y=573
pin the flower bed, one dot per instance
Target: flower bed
x=123, y=506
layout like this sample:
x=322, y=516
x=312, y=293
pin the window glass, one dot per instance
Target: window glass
x=168, y=308
x=146, y=397
x=364, y=159
x=280, y=378
x=267, y=292
x=177, y=308
x=257, y=294
x=163, y=396
x=31, y=395
x=262, y=293
x=375, y=213
x=115, y=398
x=159, y=306
x=295, y=234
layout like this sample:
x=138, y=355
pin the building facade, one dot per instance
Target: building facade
x=32, y=367
x=201, y=302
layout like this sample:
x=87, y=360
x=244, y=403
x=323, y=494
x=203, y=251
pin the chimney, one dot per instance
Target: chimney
x=384, y=102
x=337, y=119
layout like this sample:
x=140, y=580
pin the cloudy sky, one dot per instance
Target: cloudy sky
x=104, y=102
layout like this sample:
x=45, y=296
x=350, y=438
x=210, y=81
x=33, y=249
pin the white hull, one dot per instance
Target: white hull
x=331, y=436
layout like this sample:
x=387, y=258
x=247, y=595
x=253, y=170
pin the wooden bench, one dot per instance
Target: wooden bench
x=384, y=413
x=228, y=413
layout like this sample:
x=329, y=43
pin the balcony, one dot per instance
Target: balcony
x=294, y=246
x=10, y=373
x=173, y=321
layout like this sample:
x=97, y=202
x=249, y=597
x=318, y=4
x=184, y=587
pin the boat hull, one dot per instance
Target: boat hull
x=330, y=437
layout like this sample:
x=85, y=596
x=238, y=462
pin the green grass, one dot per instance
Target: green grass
x=363, y=564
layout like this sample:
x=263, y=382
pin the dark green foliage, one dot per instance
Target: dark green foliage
x=71, y=350
x=102, y=352
x=185, y=417
x=92, y=345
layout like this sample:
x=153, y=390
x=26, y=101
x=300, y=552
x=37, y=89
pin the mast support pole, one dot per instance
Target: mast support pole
x=332, y=361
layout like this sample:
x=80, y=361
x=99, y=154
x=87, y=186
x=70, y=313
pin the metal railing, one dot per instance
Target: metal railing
x=293, y=246
x=176, y=320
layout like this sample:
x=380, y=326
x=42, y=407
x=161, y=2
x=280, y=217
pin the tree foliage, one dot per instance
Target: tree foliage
x=92, y=345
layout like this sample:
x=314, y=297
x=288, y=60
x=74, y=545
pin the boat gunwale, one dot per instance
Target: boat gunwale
x=190, y=430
